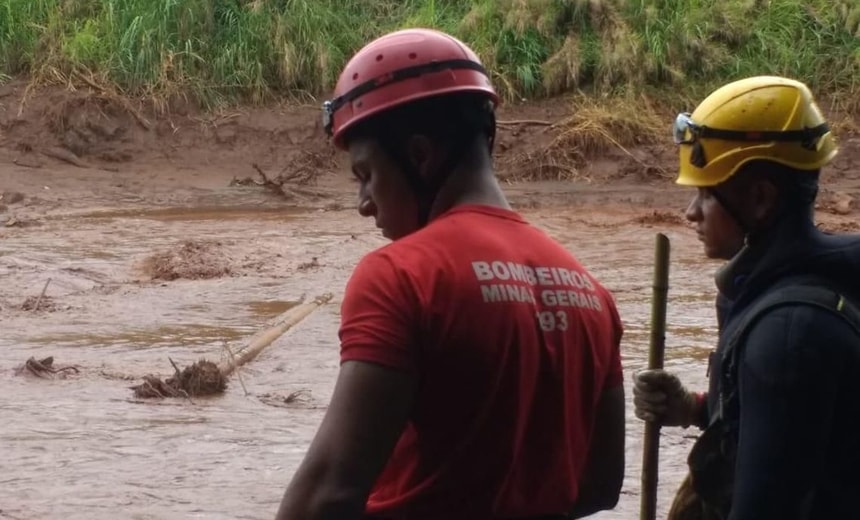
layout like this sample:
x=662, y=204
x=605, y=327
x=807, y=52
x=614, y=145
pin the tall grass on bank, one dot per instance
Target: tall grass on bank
x=254, y=50
x=214, y=49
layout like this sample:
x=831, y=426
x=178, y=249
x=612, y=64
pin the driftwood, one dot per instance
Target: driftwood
x=62, y=154
x=207, y=378
x=279, y=326
x=43, y=368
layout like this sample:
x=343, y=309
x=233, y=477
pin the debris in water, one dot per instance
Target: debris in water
x=44, y=368
x=207, y=378
x=304, y=266
x=193, y=260
x=13, y=221
x=200, y=379
x=31, y=304
x=300, y=397
x=660, y=217
x=290, y=184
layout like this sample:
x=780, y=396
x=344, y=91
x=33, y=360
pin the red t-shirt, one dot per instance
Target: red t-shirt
x=512, y=342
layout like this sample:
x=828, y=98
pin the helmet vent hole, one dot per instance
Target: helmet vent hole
x=412, y=55
x=379, y=57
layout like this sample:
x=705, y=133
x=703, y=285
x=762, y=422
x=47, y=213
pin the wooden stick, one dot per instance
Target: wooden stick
x=39, y=299
x=651, y=444
x=238, y=372
x=182, y=392
x=262, y=173
x=282, y=324
x=55, y=152
x=119, y=99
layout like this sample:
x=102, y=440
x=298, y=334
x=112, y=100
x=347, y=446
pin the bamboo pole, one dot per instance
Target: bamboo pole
x=207, y=378
x=280, y=325
x=651, y=444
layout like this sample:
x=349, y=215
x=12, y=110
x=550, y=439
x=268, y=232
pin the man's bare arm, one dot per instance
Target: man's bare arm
x=601, y=482
x=368, y=411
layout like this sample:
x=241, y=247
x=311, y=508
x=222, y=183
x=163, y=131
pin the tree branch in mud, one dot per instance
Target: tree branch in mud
x=278, y=184
x=35, y=303
x=200, y=379
x=299, y=397
x=206, y=378
x=67, y=156
x=118, y=98
x=44, y=368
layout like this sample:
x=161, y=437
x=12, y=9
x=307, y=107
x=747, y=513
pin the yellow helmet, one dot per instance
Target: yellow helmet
x=763, y=117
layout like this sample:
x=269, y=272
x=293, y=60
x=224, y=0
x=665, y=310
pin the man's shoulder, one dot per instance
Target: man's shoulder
x=463, y=230
x=798, y=316
x=501, y=239
x=810, y=293
x=474, y=219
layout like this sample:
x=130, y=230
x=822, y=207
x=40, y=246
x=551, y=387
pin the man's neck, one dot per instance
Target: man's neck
x=470, y=184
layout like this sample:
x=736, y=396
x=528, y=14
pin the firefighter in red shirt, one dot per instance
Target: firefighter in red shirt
x=480, y=370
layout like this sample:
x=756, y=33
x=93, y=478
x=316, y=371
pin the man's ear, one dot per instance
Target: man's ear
x=764, y=200
x=422, y=154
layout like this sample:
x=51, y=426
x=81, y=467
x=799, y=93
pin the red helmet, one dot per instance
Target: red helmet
x=400, y=67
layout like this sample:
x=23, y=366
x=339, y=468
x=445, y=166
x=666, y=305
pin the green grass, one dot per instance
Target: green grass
x=228, y=51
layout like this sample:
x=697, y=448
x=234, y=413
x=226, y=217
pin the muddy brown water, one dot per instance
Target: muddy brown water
x=83, y=448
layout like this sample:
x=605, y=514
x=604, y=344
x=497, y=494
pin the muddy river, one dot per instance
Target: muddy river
x=82, y=447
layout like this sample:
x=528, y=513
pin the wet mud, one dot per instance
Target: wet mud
x=166, y=261
x=230, y=456
x=191, y=260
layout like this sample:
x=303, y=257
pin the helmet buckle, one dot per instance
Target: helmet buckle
x=810, y=139
x=697, y=155
x=328, y=117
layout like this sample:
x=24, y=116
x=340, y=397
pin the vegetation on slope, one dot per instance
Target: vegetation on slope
x=255, y=50
x=625, y=61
